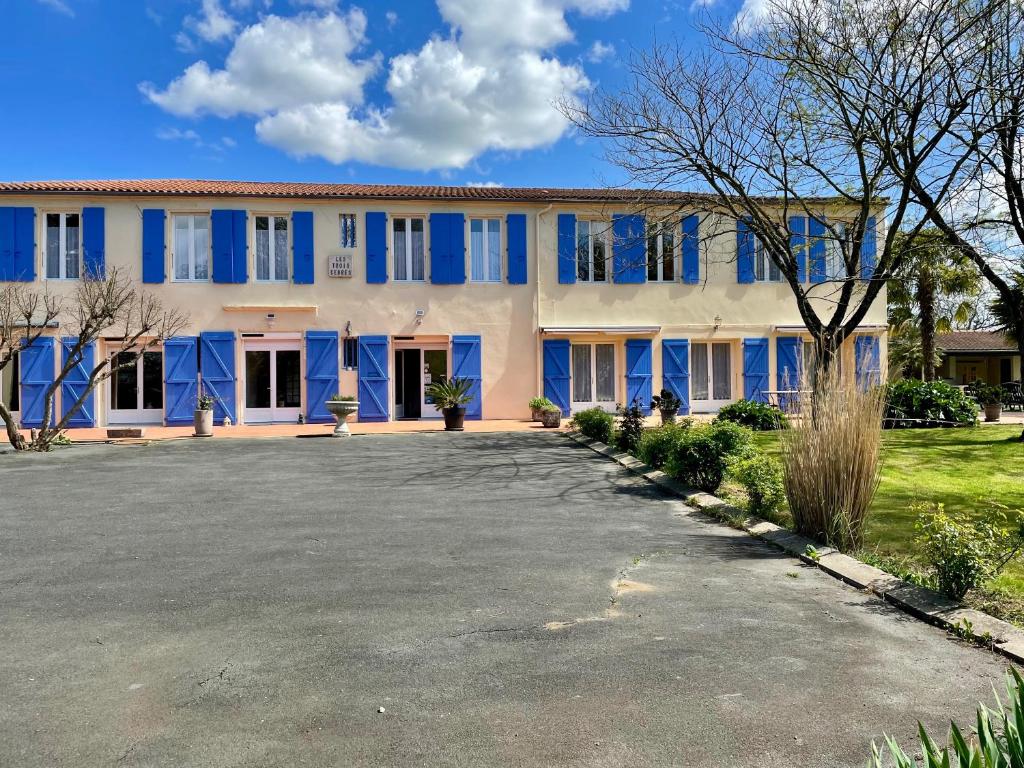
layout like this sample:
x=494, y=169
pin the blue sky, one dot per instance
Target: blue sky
x=391, y=91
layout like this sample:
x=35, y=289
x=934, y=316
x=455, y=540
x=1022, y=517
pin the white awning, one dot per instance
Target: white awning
x=621, y=330
x=803, y=328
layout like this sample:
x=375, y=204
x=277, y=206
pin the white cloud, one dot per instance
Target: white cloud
x=485, y=184
x=599, y=51
x=176, y=134
x=213, y=24
x=490, y=84
x=391, y=18
x=751, y=14
x=322, y=5
x=59, y=6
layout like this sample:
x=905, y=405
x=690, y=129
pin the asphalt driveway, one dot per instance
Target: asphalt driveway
x=507, y=600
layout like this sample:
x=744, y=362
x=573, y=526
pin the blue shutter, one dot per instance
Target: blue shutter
x=239, y=248
x=76, y=382
x=868, y=251
x=447, y=248
x=321, y=374
x=629, y=249
x=373, y=378
x=154, y=247
x=556, y=372
x=787, y=365
x=691, y=250
x=181, y=376
x=6, y=244
x=93, y=243
x=566, y=251
x=25, y=244
x=744, y=252
x=866, y=359
x=36, y=363
x=816, y=231
x=230, y=253
x=456, y=248
x=639, y=374
x=798, y=245
x=302, y=248
x=675, y=370
x=217, y=363
x=515, y=237
x=755, y=369
x=466, y=365
x=376, y=247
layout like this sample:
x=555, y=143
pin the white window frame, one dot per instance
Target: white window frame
x=711, y=403
x=603, y=233
x=62, y=244
x=137, y=415
x=662, y=229
x=352, y=230
x=408, y=218
x=191, y=216
x=488, y=278
x=765, y=269
x=271, y=219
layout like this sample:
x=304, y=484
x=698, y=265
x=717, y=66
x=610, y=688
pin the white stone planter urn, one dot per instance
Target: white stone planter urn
x=342, y=409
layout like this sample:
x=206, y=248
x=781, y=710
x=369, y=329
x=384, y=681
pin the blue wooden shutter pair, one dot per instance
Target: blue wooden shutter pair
x=867, y=362
x=816, y=250
x=76, y=382
x=217, y=363
x=94, y=243
x=303, y=267
x=675, y=370
x=373, y=378
x=755, y=369
x=17, y=244
x=629, y=249
x=691, y=250
x=376, y=247
x=639, y=374
x=447, y=248
x=556, y=373
x=868, y=251
x=744, y=252
x=515, y=237
x=798, y=245
x=230, y=253
x=566, y=249
x=466, y=365
x=36, y=363
x=321, y=374
x=787, y=366
x=181, y=375
x=154, y=245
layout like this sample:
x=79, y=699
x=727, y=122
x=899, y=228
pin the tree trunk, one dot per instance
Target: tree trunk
x=926, y=304
x=14, y=435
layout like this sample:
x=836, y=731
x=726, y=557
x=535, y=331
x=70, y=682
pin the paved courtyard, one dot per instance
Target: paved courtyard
x=428, y=600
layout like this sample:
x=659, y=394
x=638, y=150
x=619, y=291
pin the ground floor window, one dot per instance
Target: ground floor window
x=273, y=384
x=350, y=354
x=711, y=374
x=137, y=387
x=593, y=376
x=9, y=394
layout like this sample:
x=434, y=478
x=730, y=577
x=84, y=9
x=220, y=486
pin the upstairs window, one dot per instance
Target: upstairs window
x=192, y=248
x=591, y=251
x=271, y=248
x=765, y=269
x=347, y=229
x=63, y=246
x=661, y=254
x=835, y=264
x=485, y=250
x=407, y=247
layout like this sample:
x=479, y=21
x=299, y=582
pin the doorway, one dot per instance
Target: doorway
x=137, y=390
x=415, y=369
x=593, y=376
x=273, y=382
x=9, y=387
x=710, y=375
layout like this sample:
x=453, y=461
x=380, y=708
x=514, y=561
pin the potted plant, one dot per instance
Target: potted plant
x=203, y=417
x=551, y=417
x=991, y=398
x=341, y=407
x=668, y=405
x=537, y=407
x=451, y=397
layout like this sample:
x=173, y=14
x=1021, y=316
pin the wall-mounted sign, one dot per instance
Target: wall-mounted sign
x=340, y=265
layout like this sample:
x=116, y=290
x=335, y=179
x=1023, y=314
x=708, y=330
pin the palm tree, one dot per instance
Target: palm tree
x=1004, y=317
x=932, y=272
x=905, y=354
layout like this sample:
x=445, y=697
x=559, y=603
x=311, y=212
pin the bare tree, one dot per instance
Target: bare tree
x=128, y=320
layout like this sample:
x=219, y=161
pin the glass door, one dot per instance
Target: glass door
x=710, y=375
x=273, y=384
x=137, y=389
x=593, y=376
x=435, y=368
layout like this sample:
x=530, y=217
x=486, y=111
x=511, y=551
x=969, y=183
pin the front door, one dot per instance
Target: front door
x=710, y=376
x=273, y=383
x=593, y=376
x=137, y=391
x=435, y=368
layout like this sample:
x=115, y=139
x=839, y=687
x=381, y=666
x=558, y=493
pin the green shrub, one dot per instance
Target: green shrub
x=965, y=552
x=754, y=414
x=761, y=477
x=915, y=403
x=699, y=456
x=631, y=428
x=656, y=444
x=595, y=423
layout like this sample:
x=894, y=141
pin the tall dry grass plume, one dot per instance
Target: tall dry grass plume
x=831, y=456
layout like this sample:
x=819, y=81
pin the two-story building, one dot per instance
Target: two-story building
x=297, y=291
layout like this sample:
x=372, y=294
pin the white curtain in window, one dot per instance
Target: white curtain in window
x=53, y=245
x=72, y=235
x=201, y=250
x=581, y=373
x=493, y=249
x=417, y=249
x=721, y=373
x=699, y=370
x=281, y=248
x=401, y=271
x=476, y=248
x=262, y=248
x=605, y=359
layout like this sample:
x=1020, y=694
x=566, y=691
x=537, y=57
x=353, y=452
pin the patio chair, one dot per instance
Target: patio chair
x=1013, y=397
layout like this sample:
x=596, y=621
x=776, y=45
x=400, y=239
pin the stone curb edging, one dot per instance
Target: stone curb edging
x=924, y=604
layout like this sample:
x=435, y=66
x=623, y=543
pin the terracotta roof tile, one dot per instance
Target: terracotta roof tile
x=974, y=341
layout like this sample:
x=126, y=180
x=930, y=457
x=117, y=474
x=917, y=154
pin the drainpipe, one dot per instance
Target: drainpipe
x=538, y=352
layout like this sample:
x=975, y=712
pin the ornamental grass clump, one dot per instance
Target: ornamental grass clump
x=831, y=458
